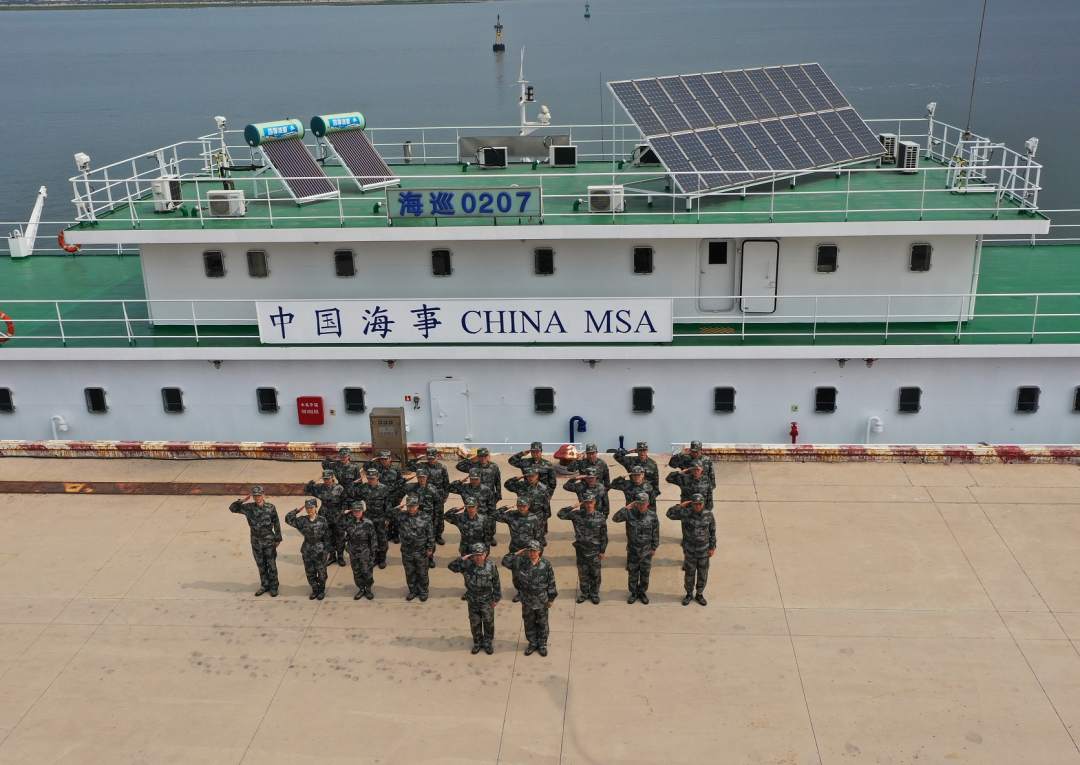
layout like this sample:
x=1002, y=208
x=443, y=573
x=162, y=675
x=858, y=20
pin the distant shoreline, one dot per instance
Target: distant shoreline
x=144, y=5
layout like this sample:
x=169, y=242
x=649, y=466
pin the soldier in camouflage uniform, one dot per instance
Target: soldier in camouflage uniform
x=698, y=544
x=262, y=518
x=482, y=591
x=687, y=457
x=592, y=460
x=589, y=483
x=431, y=502
x=485, y=499
x=534, y=458
x=590, y=544
x=536, y=491
x=525, y=527
x=536, y=580
x=642, y=541
x=470, y=523
x=345, y=470
x=640, y=457
x=393, y=479
x=361, y=541
x=634, y=484
x=376, y=498
x=417, y=547
x=440, y=479
x=692, y=481
x=316, y=533
x=332, y=497
x=489, y=471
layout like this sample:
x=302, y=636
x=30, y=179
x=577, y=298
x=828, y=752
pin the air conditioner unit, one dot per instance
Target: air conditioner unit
x=167, y=193
x=606, y=199
x=562, y=156
x=644, y=155
x=888, y=142
x=907, y=157
x=227, y=204
x=491, y=156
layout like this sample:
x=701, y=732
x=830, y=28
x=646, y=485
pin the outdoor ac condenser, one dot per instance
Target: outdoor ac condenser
x=167, y=193
x=226, y=204
x=606, y=199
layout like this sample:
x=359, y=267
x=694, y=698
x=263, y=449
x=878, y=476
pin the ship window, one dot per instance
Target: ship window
x=642, y=400
x=258, y=264
x=825, y=400
x=266, y=398
x=544, y=261
x=910, y=400
x=717, y=253
x=214, y=264
x=1027, y=399
x=354, y=400
x=826, y=258
x=440, y=263
x=7, y=405
x=172, y=400
x=920, y=256
x=543, y=400
x=723, y=400
x=643, y=260
x=344, y=263
x=1076, y=400
x=95, y=400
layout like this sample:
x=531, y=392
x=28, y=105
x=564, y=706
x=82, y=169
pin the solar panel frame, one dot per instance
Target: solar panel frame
x=806, y=86
x=637, y=107
x=661, y=103
x=725, y=156
x=861, y=130
x=788, y=89
x=699, y=157
x=799, y=159
x=805, y=138
x=682, y=172
x=741, y=144
x=359, y=156
x=685, y=102
x=297, y=169
x=825, y=84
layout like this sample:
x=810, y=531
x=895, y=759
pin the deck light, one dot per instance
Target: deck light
x=1032, y=146
x=82, y=162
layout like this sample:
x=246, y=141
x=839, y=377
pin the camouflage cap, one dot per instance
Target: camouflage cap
x=637, y=470
x=412, y=500
x=641, y=497
x=592, y=472
x=591, y=449
x=483, y=451
x=477, y=548
x=310, y=503
x=588, y=496
x=471, y=502
x=642, y=445
x=531, y=471
x=383, y=454
x=327, y=474
x=421, y=473
x=256, y=491
x=697, y=498
x=344, y=451
x=432, y=451
x=697, y=465
x=522, y=501
x=536, y=446
x=356, y=504
x=532, y=544
x=474, y=473
x=371, y=473
x=695, y=445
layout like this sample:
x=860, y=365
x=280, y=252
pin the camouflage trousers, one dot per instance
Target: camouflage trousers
x=437, y=521
x=481, y=621
x=416, y=570
x=382, y=542
x=588, y=571
x=695, y=571
x=536, y=624
x=315, y=568
x=638, y=568
x=266, y=562
x=337, y=538
x=363, y=565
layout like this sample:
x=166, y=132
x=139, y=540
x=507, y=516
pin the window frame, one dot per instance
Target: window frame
x=348, y=406
x=726, y=407
x=206, y=256
x=538, y=407
x=180, y=399
x=727, y=247
x=536, y=261
x=634, y=396
x=818, y=390
x=267, y=407
x=642, y=249
x=265, y=264
x=93, y=391
x=835, y=258
x=911, y=257
x=900, y=399
x=352, y=263
x=438, y=252
x=1033, y=406
x=7, y=401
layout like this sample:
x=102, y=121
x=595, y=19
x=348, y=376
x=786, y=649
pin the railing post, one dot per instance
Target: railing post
x=60, y=321
x=340, y=204
x=772, y=202
x=888, y=315
x=813, y=327
x=1034, y=320
x=847, y=198
x=198, y=204
x=194, y=322
x=742, y=316
x=922, y=197
x=269, y=209
x=127, y=322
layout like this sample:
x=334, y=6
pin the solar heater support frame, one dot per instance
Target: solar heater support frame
x=329, y=151
x=269, y=167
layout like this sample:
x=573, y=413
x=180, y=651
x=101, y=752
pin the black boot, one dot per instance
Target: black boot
x=644, y=599
x=701, y=599
x=632, y=599
x=359, y=594
x=475, y=648
x=260, y=591
x=369, y=594
x=686, y=600
x=488, y=649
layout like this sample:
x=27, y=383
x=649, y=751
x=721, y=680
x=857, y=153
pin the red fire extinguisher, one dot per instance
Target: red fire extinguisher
x=794, y=432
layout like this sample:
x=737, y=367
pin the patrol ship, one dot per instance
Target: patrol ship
x=738, y=256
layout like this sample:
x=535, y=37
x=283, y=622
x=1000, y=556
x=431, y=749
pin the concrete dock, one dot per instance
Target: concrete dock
x=858, y=613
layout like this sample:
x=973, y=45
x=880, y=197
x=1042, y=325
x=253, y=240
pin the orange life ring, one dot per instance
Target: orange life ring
x=72, y=248
x=9, y=326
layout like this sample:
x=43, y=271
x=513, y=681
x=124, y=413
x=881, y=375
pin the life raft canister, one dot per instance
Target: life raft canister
x=7, y=327
x=71, y=248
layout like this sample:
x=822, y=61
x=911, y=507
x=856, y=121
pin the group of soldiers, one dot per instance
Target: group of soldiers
x=361, y=509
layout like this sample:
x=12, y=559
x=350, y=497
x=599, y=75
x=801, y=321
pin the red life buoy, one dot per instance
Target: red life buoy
x=8, y=330
x=72, y=248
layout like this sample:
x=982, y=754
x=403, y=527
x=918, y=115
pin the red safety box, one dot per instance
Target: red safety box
x=309, y=410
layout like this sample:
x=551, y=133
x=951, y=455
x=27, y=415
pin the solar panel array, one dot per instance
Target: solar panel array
x=297, y=169
x=360, y=157
x=730, y=129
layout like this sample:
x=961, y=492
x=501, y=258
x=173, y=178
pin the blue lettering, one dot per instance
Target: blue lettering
x=554, y=321
x=622, y=321
x=504, y=202
x=592, y=325
x=524, y=196
x=468, y=203
x=645, y=321
x=527, y=319
x=464, y=318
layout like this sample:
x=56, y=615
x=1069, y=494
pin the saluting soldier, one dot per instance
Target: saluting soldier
x=536, y=491
x=485, y=499
x=534, y=458
x=439, y=478
x=471, y=524
x=361, y=541
x=642, y=542
x=592, y=460
x=376, y=498
x=640, y=457
x=695, y=453
x=698, y=544
x=635, y=484
x=431, y=501
x=417, y=547
x=590, y=545
x=482, y=591
x=262, y=518
x=332, y=496
x=692, y=481
x=588, y=482
x=489, y=471
x=394, y=480
x=316, y=532
x=536, y=581
x=345, y=470
x=525, y=527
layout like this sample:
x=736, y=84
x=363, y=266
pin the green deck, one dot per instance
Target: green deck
x=1045, y=268
x=859, y=196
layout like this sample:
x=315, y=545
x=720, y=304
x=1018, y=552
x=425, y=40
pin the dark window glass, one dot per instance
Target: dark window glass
x=258, y=264
x=717, y=253
x=544, y=261
x=826, y=258
x=267, y=400
x=1027, y=398
x=544, y=400
x=95, y=400
x=214, y=264
x=920, y=257
x=344, y=263
x=7, y=404
x=1076, y=399
x=354, y=400
x=910, y=400
x=723, y=399
x=643, y=260
x=440, y=263
x=825, y=400
x=172, y=400
x=642, y=400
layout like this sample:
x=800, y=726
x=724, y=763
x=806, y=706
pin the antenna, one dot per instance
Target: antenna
x=528, y=96
x=975, y=69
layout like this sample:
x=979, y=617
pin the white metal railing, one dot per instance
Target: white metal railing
x=908, y=317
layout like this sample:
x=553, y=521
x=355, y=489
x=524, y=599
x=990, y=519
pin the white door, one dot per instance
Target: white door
x=716, y=277
x=450, y=418
x=760, y=258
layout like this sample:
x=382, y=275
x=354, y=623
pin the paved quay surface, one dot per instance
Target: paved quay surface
x=858, y=613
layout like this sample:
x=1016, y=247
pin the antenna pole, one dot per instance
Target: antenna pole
x=975, y=70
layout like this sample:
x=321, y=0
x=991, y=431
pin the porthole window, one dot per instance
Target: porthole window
x=826, y=258
x=7, y=403
x=95, y=400
x=643, y=260
x=543, y=400
x=354, y=401
x=543, y=261
x=344, y=263
x=440, y=263
x=920, y=256
x=214, y=264
x=910, y=400
x=1027, y=399
x=641, y=400
x=724, y=400
x=172, y=400
x=266, y=398
x=258, y=264
x=825, y=400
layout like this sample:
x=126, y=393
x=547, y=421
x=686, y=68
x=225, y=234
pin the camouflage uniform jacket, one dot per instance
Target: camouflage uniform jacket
x=472, y=530
x=359, y=535
x=346, y=474
x=523, y=460
x=579, y=486
x=626, y=485
x=481, y=582
x=603, y=474
x=430, y=496
x=485, y=499
x=416, y=532
x=683, y=460
x=263, y=521
x=536, y=583
x=642, y=529
x=437, y=473
x=523, y=528
x=590, y=529
x=489, y=475
x=376, y=500
x=390, y=477
x=689, y=486
x=331, y=496
x=316, y=532
x=630, y=459
x=698, y=529
x=538, y=494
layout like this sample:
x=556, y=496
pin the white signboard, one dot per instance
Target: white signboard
x=393, y=322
